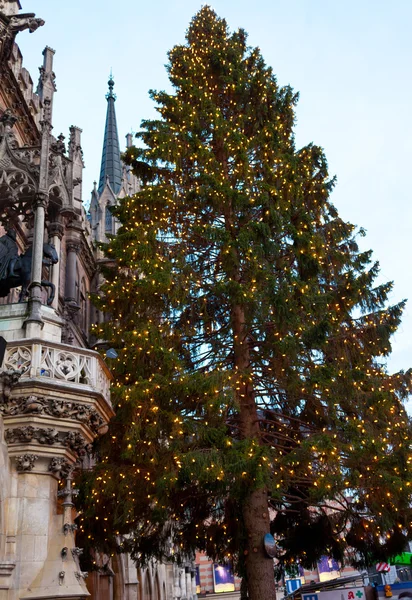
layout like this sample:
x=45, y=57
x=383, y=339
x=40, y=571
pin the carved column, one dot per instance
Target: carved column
x=56, y=235
x=34, y=322
x=72, y=250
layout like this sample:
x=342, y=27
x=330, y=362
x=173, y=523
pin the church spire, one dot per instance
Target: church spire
x=111, y=168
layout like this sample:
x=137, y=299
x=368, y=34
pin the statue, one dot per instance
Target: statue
x=8, y=254
x=15, y=270
x=25, y=21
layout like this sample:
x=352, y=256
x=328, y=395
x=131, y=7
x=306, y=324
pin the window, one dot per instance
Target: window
x=83, y=308
x=108, y=220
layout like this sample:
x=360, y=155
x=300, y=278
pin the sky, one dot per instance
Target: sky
x=350, y=60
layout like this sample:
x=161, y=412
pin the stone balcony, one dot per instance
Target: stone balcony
x=55, y=401
x=60, y=364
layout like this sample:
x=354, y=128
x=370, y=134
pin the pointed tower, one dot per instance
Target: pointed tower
x=115, y=181
x=111, y=168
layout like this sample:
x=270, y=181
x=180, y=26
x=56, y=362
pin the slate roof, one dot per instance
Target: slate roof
x=111, y=167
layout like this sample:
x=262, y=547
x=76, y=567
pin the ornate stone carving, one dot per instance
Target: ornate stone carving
x=47, y=436
x=31, y=156
x=41, y=200
x=46, y=360
x=8, y=379
x=8, y=120
x=81, y=575
x=26, y=462
x=77, y=552
x=56, y=229
x=20, y=434
x=75, y=441
x=68, y=493
x=69, y=366
x=47, y=76
x=25, y=21
x=69, y=527
x=18, y=358
x=59, y=465
x=63, y=409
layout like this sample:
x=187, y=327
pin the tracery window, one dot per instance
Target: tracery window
x=83, y=308
x=108, y=220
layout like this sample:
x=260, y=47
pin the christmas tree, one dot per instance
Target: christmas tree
x=251, y=392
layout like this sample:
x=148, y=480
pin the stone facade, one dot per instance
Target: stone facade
x=54, y=389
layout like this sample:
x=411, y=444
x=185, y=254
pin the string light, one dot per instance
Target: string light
x=251, y=337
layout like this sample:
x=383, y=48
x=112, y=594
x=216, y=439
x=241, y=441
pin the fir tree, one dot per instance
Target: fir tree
x=251, y=392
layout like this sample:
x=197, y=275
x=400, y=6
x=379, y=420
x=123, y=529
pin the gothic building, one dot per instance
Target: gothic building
x=54, y=389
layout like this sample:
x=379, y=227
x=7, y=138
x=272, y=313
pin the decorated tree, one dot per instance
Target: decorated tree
x=251, y=392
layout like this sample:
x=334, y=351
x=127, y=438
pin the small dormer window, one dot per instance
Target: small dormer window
x=108, y=220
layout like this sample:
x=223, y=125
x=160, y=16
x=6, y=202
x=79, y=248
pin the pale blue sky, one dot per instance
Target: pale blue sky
x=350, y=60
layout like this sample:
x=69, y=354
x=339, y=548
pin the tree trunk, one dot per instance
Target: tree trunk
x=259, y=567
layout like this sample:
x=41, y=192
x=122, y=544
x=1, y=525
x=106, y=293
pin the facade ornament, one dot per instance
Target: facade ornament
x=77, y=552
x=25, y=21
x=41, y=200
x=75, y=441
x=69, y=528
x=73, y=246
x=46, y=77
x=8, y=119
x=47, y=436
x=81, y=575
x=19, y=434
x=8, y=380
x=16, y=271
x=32, y=404
x=45, y=123
x=26, y=462
x=68, y=492
x=74, y=145
x=56, y=229
x=40, y=405
x=71, y=309
x=8, y=254
x=59, y=466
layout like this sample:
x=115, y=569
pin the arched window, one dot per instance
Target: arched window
x=83, y=308
x=108, y=220
x=77, y=286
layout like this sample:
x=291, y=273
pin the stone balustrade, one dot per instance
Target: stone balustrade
x=59, y=363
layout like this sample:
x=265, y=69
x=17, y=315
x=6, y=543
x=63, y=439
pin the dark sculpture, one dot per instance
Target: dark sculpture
x=15, y=270
x=8, y=253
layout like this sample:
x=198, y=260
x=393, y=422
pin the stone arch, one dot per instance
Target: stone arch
x=58, y=196
x=17, y=192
